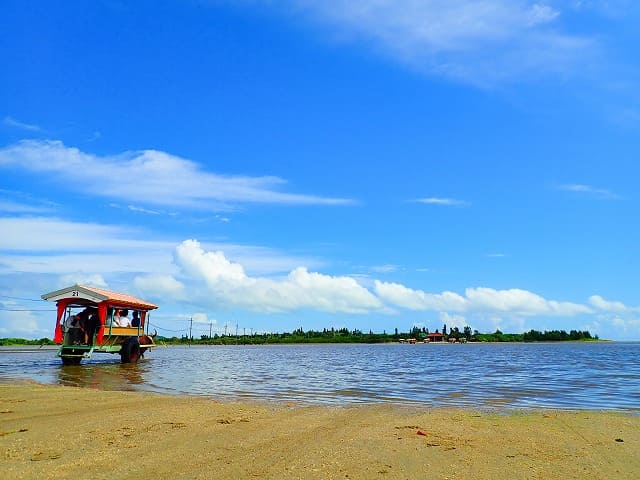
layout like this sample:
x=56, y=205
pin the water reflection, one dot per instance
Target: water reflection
x=110, y=376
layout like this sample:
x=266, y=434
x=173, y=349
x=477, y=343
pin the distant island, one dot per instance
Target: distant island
x=345, y=335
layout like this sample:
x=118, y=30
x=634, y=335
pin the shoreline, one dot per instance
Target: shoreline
x=33, y=348
x=69, y=432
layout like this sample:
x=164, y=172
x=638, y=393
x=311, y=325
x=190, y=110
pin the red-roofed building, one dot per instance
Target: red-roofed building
x=435, y=337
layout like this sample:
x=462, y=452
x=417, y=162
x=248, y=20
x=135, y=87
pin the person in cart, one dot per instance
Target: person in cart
x=76, y=330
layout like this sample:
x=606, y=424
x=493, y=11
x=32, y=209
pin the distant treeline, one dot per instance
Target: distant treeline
x=297, y=336
x=22, y=341
x=536, y=336
x=357, y=336
x=344, y=335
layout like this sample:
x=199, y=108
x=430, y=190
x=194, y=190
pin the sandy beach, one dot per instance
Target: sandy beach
x=65, y=432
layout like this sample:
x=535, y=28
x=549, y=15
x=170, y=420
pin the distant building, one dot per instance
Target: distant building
x=435, y=337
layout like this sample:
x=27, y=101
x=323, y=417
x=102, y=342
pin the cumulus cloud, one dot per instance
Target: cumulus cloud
x=168, y=180
x=477, y=300
x=227, y=282
x=475, y=41
x=520, y=302
x=404, y=297
x=610, y=306
x=42, y=245
x=211, y=277
x=259, y=279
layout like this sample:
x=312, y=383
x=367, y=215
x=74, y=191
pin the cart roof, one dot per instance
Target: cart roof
x=98, y=295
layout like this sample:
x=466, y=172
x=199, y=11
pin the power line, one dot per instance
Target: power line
x=25, y=299
x=166, y=329
x=26, y=310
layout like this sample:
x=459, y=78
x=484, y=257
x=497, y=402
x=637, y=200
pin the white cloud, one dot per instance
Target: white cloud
x=11, y=122
x=12, y=202
x=9, y=206
x=41, y=245
x=611, y=306
x=513, y=302
x=451, y=202
x=16, y=323
x=541, y=14
x=262, y=260
x=87, y=264
x=258, y=279
x=589, y=190
x=453, y=320
x=227, y=282
x=387, y=268
x=160, y=286
x=95, y=280
x=150, y=176
x=615, y=326
x=201, y=317
x=133, y=208
x=404, y=297
x=475, y=41
x=53, y=234
x=520, y=302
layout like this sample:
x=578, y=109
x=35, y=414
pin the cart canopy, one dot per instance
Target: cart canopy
x=82, y=295
x=87, y=295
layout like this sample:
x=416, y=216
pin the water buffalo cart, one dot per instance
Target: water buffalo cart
x=91, y=320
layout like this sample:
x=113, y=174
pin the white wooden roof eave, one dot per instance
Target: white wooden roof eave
x=75, y=291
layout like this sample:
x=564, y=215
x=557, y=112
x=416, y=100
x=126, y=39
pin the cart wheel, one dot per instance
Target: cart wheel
x=70, y=360
x=130, y=351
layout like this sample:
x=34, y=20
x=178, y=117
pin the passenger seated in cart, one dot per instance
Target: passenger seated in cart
x=135, y=322
x=121, y=319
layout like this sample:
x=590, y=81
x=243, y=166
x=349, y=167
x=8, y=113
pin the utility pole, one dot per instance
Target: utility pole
x=210, y=326
x=190, y=327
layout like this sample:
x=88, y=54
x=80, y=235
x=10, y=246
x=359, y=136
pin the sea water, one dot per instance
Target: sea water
x=589, y=375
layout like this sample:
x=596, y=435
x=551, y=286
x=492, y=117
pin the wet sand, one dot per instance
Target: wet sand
x=65, y=432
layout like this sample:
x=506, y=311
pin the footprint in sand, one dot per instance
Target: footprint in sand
x=45, y=456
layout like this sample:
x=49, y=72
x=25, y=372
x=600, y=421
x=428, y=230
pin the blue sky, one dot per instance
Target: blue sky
x=360, y=164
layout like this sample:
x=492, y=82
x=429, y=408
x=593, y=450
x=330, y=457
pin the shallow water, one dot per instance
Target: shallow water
x=603, y=376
